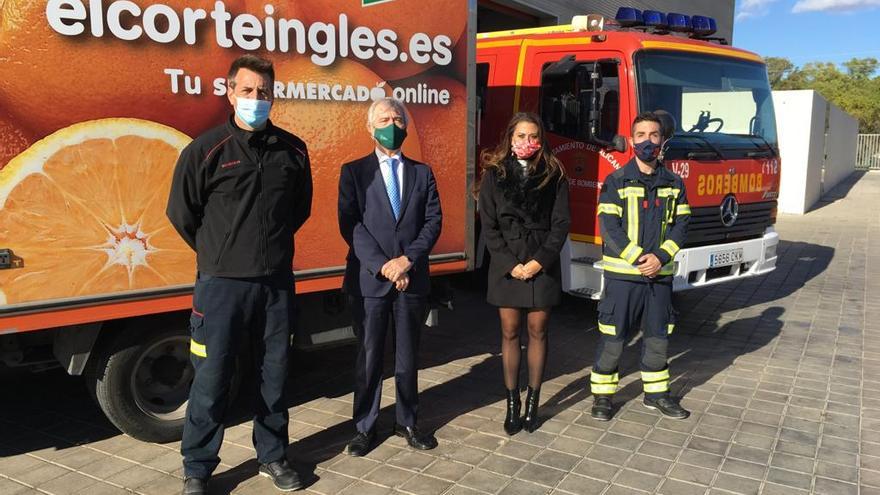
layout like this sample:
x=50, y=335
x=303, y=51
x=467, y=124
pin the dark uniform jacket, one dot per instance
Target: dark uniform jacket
x=637, y=216
x=521, y=223
x=237, y=197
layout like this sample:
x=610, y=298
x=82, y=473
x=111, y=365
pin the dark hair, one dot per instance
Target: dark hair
x=647, y=117
x=257, y=64
x=493, y=159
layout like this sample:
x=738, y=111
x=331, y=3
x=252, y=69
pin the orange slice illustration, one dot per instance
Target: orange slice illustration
x=84, y=210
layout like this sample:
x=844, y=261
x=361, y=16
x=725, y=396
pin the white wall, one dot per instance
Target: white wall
x=840, y=147
x=800, y=123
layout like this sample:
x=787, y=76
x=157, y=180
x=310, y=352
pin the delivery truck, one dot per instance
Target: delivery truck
x=98, y=98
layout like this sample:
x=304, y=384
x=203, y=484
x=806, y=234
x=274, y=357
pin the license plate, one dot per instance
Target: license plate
x=726, y=257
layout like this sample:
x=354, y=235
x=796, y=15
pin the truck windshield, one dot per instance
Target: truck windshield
x=720, y=105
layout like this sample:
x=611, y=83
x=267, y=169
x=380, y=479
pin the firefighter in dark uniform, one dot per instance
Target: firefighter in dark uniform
x=643, y=217
x=239, y=193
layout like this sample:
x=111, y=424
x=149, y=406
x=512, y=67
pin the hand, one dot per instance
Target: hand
x=532, y=268
x=518, y=272
x=395, y=268
x=402, y=283
x=649, y=265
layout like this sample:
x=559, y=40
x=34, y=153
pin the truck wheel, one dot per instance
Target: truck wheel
x=141, y=378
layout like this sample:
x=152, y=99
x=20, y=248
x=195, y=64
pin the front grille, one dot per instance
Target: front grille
x=705, y=226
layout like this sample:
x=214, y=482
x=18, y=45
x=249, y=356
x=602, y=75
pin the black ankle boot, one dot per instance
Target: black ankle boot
x=530, y=418
x=512, y=422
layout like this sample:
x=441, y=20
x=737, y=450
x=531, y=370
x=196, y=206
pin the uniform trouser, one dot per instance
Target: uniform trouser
x=371, y=318
x=228, y=314
x=621, y=307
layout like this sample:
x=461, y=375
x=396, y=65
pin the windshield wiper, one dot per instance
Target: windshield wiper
x=764, y=153
x=697, y=155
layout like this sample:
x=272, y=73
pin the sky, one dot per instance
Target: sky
x=806, y=31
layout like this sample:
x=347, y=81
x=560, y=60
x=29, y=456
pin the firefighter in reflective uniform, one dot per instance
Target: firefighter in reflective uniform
x=643, y=217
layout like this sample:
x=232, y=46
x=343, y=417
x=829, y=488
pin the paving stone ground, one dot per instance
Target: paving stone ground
x=782, y=374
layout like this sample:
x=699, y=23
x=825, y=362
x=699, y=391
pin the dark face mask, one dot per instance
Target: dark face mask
x=647, y=150
x=390, y=136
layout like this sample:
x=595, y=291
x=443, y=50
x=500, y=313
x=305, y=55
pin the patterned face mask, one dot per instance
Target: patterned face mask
x=524, y=149
x=647, y=150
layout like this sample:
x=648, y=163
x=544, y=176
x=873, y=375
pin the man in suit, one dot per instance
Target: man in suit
x=389, y=214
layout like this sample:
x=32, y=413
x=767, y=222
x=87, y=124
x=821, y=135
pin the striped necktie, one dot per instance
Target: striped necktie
x=392, y=186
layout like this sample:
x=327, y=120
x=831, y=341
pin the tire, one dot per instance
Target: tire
x=141, y=377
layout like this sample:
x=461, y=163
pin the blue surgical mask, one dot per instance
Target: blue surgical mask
x=252, y=112
x=647, y=150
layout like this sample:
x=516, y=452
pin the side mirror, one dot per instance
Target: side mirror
x=561, y=67
x=617, y=143
x=594, y=119
x=594, y=122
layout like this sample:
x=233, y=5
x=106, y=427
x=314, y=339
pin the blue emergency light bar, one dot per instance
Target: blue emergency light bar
x=699, y=25
x=628, y=17
x=679, y=23
x=703, y=26
x=655, y=19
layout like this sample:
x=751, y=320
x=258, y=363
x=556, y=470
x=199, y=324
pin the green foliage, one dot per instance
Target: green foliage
x=856, y=91
x=778, y=68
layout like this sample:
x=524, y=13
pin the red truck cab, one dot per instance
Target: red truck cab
x=588, y=80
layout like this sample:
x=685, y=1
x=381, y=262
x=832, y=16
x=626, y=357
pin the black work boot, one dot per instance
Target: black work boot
x=530, y=418
x=195, y=486
x=512, y=422
x=667, y=407
x=602, y=408
x=283, y=476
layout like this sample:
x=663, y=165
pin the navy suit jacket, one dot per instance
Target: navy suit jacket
x=367, y=224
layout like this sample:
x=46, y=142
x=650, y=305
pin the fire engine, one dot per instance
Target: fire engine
x=589, y=79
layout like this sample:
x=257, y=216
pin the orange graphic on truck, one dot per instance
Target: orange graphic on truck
x=98, y=99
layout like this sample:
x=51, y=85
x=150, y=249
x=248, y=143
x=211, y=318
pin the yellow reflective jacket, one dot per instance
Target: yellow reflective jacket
x=637, y=218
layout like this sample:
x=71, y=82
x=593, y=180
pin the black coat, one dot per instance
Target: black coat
x=521, y=223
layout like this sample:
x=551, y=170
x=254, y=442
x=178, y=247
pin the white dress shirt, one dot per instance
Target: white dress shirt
x=385, y=168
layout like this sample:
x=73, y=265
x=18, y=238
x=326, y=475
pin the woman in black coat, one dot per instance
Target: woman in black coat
x=523, y=203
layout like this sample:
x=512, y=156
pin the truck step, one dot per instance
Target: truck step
x=587, y=260
x=587, y=293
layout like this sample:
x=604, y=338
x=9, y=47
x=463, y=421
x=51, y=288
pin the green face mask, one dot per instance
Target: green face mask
x=391, y=136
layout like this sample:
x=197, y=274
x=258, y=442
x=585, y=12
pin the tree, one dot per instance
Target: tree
x=777, y=69
x=856, y=91
x=861, y=68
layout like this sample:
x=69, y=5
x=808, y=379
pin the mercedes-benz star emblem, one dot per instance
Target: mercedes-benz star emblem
x=729, y=211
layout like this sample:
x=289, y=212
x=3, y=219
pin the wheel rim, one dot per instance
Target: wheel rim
x=162, y=378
